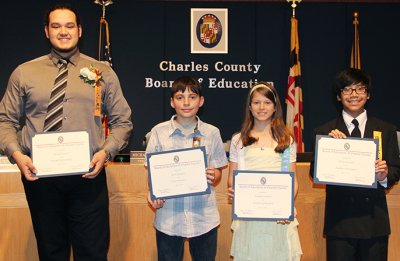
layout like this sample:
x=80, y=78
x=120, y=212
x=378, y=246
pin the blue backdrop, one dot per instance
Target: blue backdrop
x=145, y=33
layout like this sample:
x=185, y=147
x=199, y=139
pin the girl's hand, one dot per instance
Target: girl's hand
x=285, y=222
x=155, y=204
x=230, y=193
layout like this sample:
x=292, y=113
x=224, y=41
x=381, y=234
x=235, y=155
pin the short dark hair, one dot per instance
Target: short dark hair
x=61, y=7
x=186, y=82
x=351, y=76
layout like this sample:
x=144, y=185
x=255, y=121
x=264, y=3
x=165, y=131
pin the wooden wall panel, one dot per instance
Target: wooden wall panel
x=131, y=219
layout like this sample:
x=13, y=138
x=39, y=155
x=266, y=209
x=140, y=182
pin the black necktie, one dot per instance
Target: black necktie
x=356, y=131
x=53, y=121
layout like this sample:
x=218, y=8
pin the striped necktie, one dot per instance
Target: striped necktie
x=54, y=117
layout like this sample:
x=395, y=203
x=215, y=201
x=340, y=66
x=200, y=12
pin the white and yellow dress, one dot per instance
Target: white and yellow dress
x=262, y=240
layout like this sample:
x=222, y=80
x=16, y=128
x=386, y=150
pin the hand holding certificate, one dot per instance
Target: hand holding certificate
x=61, y=153
x=177, y=173
x=263, y=195
x=346, y=162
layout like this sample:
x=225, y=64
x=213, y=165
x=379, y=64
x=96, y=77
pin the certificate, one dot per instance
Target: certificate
x=61, y=153
x=345, y=162
x=177, y=173
x=263, y=195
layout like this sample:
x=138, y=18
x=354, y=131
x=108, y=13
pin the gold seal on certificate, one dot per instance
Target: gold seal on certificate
x=345, y=162
x=177, y=173
x=263, y=195
x=61, y=153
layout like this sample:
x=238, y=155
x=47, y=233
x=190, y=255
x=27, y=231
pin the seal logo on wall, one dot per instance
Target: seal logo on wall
x=209, y=30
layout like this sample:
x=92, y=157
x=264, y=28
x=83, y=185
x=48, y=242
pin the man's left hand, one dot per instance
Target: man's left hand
x=96, y=165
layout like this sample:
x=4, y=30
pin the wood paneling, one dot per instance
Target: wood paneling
x=131, y=219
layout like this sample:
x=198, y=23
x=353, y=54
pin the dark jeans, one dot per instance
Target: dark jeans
x=350, y=249
x=202, y=248
x=69, y=211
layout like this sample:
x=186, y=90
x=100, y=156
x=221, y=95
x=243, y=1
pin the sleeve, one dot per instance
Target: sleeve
x=119, y=115
x=234, y=148
x=218, y=157
x=11, y=112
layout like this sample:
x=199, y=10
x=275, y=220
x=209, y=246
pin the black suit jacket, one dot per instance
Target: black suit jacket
x=354, y=212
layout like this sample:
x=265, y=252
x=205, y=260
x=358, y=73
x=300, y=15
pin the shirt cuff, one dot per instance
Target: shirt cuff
x=384, y=183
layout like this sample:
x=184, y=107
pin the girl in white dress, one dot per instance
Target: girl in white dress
x=260, y=145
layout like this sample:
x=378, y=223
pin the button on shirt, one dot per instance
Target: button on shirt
x=193, y=215
x=28, y=94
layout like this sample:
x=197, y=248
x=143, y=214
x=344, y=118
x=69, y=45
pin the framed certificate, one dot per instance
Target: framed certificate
x=263, y=195
x=177, y=173
x=345, y=162
x=61, y=153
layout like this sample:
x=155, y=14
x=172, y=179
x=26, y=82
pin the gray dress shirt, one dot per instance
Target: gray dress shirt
x=24, y=105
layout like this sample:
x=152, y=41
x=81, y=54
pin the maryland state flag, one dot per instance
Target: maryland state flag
x=294, y=96
x=355, y=61
x=104, y=55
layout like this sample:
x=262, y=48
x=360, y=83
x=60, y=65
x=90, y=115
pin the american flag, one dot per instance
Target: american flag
x=294, y=96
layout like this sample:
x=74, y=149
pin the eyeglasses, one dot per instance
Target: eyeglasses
x=361, y=89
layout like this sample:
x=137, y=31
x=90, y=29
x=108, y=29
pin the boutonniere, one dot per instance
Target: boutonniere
x=93, y=76
x=90, y=75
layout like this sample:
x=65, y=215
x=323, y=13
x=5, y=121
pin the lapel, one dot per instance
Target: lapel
x=341, y=125
x=369, y=128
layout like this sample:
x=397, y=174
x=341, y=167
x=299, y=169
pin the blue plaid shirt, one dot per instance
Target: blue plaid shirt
x=193, y=215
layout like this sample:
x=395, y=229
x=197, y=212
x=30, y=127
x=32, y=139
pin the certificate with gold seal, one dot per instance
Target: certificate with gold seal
x=177, y=173
x=61, y=153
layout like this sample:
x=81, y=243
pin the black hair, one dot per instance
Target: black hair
x=61, y=7
x=186, y=82
x=349, y=77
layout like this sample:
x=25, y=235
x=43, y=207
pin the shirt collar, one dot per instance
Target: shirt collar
x=173, y=129
x=71, y=56
x=362, y=118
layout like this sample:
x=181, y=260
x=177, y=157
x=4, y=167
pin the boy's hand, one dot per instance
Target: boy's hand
x=337, y=134
x=210, y=173
x=156, y=204
x=381, y=169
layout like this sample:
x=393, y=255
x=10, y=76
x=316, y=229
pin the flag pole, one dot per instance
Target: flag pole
x=294, y=5
x=103, y=21
x=104, y=4
x=355, y=61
